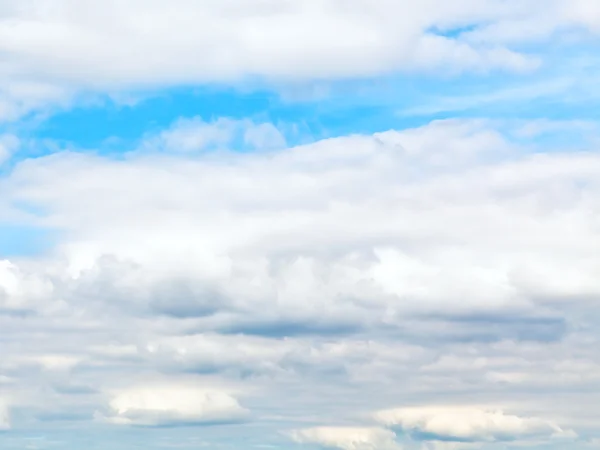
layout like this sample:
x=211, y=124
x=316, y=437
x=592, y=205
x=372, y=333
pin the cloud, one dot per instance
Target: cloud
x=193, y=135
x=9, y=143
x=465, y=423
x=584, y=12
x=4, y=417
x=343, y=234
x=453, y=261
x=264, y=136
x=120, y=48
x=22, y=290
x=21, y=94
x=346, y=235
x=249, y=37
x=347, y=438
x=172, y=404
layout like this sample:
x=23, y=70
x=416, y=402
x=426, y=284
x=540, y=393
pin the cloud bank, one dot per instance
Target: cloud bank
x=451, y=262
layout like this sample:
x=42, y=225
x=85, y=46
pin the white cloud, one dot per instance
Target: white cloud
x=348, y=438
x=468, y=424
x=171, y=404
x=585, y=12
x=21, y=289
x=264, y=136
x=21, y=94
x=194, y=135
x=56, y=362
x=49, y=54
x=376, y=225
x=217, y=40
x=330, y=280
x=8, y=145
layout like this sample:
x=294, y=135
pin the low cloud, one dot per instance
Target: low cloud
x=330, y=280
x=347, y=438
x=173, y=404
x=468, y=424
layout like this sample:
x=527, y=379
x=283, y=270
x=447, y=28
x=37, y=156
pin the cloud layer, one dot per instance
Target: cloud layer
x=319, y=224
x=446, y=264
x=54, y=55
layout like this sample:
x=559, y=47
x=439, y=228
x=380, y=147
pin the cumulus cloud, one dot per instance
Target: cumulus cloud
x=465, y=423
x=172, y=404
x=348, y=438
x=342, y=276
x=453, y=263
x=342, y=234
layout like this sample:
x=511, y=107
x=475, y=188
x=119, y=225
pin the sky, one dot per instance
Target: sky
x=299, y=224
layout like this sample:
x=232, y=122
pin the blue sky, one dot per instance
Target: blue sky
x=267, y=224
x=335, y=108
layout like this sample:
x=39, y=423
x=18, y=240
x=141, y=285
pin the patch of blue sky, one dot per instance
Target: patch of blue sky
x=353, y=107
x=566, y=88
x=358, y=106
x=20, y=240
x=114, y=124
x=453, y=32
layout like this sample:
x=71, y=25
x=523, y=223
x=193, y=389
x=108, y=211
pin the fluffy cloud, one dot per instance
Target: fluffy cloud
x=51, y=54
x=348, y=438
x=337, y=236
x=453, y=263
x=467, y=424
x=193, y=135
x=220, y=40
x=342, y=234
x=332, y=279
x=171, y=404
